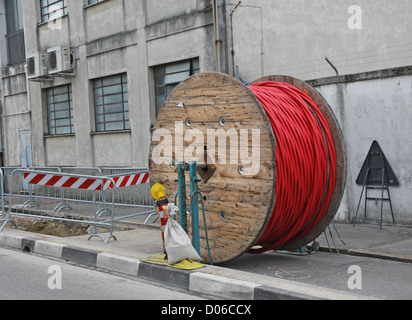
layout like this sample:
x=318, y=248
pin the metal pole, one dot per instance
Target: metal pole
x=3, y=213
x=195, y=206
x=182, y=195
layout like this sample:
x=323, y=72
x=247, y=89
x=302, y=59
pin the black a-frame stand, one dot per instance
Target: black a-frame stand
x=376, y=174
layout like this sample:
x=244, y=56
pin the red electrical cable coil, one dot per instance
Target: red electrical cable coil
x=305, y=164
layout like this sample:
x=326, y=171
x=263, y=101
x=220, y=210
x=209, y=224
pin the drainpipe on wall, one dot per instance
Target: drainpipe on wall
x=232, y=38
x=218, y=41
x=28, y=96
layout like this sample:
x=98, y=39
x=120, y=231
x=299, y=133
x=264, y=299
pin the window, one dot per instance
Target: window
x=60, y=110
x=168, y=76
x=111, y=101
x=14, y=16
x=15, y=33
x=90, y=2
x=52, y=9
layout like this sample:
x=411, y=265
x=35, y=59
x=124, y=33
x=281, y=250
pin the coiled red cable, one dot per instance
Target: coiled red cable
x=305, y=164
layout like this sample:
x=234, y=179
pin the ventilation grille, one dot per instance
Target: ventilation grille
x=31, y=66
x=52, y=60
x=36, y=65
x=59, y=60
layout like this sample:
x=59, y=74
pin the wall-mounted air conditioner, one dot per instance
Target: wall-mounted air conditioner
x=37, y=65
x=59, y=60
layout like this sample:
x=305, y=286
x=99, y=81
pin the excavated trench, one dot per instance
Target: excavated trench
x=60, y=229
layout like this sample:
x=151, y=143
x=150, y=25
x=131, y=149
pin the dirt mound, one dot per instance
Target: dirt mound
x=61, y=229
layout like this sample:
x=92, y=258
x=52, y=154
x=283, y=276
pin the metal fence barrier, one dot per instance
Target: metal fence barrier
x=3, y=220
x=64, y=194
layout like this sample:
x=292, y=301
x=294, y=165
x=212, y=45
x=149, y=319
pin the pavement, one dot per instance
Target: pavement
x=124, y=257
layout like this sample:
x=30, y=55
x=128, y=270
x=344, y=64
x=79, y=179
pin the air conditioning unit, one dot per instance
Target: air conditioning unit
x=59, y=60
x=37, y=65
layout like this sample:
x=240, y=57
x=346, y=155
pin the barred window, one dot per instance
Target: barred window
x=168, y=76
x=52, y=9
x=111, y=101
x=60, y=110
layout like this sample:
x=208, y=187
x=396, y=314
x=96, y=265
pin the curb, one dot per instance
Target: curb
x=397, y=257
x=191, y=281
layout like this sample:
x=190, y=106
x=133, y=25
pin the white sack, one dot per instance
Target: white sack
x=177, y=243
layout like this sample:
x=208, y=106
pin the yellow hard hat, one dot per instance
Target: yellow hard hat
x=158, y=191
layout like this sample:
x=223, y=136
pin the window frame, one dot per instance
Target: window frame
x=51, y=109
x=14, y=16
x=51, y=16
x=93, y=2
x=162, y=90
x=106, y=104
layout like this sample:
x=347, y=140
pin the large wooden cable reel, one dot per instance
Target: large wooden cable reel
x=238, y=206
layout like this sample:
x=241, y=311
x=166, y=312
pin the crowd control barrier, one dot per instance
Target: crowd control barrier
x=63, y=194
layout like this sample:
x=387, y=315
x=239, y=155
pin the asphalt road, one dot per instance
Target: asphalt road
x=376, y=278
x=29, y=277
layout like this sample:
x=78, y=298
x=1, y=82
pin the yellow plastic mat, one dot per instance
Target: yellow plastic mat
x=160, y=259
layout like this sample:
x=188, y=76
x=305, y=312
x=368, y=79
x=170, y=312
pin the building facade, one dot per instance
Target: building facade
x=112, y=63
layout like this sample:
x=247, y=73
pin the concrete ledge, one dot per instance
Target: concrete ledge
x=399, y=257
x=271, y=293
x=222, y=287
x=170, y=276
x=84, y=257
x=48, y=249
x=118, y=264
x=10, y=241
x=363, y=76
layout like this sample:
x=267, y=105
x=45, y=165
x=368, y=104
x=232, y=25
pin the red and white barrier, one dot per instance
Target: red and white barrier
x=128, y=181
x=93, y=184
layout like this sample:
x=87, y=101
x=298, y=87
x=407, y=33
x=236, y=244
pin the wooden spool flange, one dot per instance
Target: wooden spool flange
x=237, y=206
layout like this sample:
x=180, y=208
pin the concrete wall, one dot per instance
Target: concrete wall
x=157, y=11
x=374, y=106
x=298, y=34
x=109, y=38
x=15, y=112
